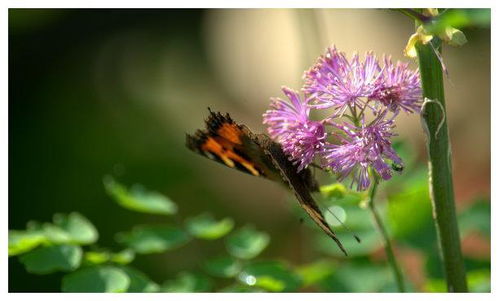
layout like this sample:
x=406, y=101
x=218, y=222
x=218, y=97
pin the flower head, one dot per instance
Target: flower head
x=354, y=89
x=398, y=88
x=289, y=124
x=334, y=81
x=360, y=148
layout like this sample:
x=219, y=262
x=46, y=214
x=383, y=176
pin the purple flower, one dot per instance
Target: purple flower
x=365, y=88
x=399, y=87
x=360, y=148
x=289, y=124
x=336, y=82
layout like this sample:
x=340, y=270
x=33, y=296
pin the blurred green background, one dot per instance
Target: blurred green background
x=113, y=92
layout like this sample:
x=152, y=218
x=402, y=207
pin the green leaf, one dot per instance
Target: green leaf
x=188, y=282
x=223, y=267
x=270, y=275
x=139, y=199
x=94, y=257
x=124, y=257
x=79, y=229
x=476, y=217
x=55, y=234
x=459, y=18
x=315, y=272
x=24, y=241
x=435, y=286
x=206, y=227
x=153, y=239
x=98, y=279
x=370, y=241
x=247, y=243
x=336, y=190
x=410, y=209
x=139, y=282
x=241, y=288
x=99, y=257
x=479, y=281
x=358, y=277
x=50, y=259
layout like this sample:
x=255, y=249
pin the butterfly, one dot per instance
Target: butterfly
x=236, y=146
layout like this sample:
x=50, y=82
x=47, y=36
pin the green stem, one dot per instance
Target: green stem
x=411, y=13
x=434, y=122
x=388, y=245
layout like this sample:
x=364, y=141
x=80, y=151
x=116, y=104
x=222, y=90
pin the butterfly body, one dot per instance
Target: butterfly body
x=235, y=146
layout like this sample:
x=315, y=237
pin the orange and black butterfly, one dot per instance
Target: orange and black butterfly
x=234, y=145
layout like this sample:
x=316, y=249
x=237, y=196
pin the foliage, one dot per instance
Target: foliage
x=69, y=245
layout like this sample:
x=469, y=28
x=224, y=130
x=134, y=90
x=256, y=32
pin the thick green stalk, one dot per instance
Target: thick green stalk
x=388, y=246
x=434, y=122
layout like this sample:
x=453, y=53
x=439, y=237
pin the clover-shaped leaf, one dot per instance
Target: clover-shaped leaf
x=153, y=239
x=139, y=199
x=206, y=227
x=270, y=275
x=98, y=279
x=139, y=282
x=24, y=241
x=247, y=243
x=188, y=282
x=223, y=267
x=78, y=228
x=50, y=259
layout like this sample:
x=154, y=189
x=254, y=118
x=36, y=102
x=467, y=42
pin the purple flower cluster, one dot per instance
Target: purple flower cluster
x=364, y=97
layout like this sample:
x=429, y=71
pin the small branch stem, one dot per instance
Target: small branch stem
x=388, y=245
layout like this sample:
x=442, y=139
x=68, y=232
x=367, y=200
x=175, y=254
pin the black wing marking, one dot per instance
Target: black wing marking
x=299, y=187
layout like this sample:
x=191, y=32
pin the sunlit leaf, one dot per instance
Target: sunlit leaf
x=50, y=259
x=139, y=282
x=124, y=257
x=24, y=241
x=72, y=228
x=99, y=257
x=206, y=227
x=188, y=282
x=316, y=271
x=247, y=243
x=336, y=190
x=139, y=199
x=94, y=257
x=223, y=267
x=79, y=229
x=479, y=281
x=271, y=276
x=153, y=239
x=435, y=286
x=55, y=234
x=98, y=279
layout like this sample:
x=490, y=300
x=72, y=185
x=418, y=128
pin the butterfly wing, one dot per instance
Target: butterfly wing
x=299, y=187
x=231, y=144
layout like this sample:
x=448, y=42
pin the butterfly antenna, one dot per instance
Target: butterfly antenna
x=344, y=226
